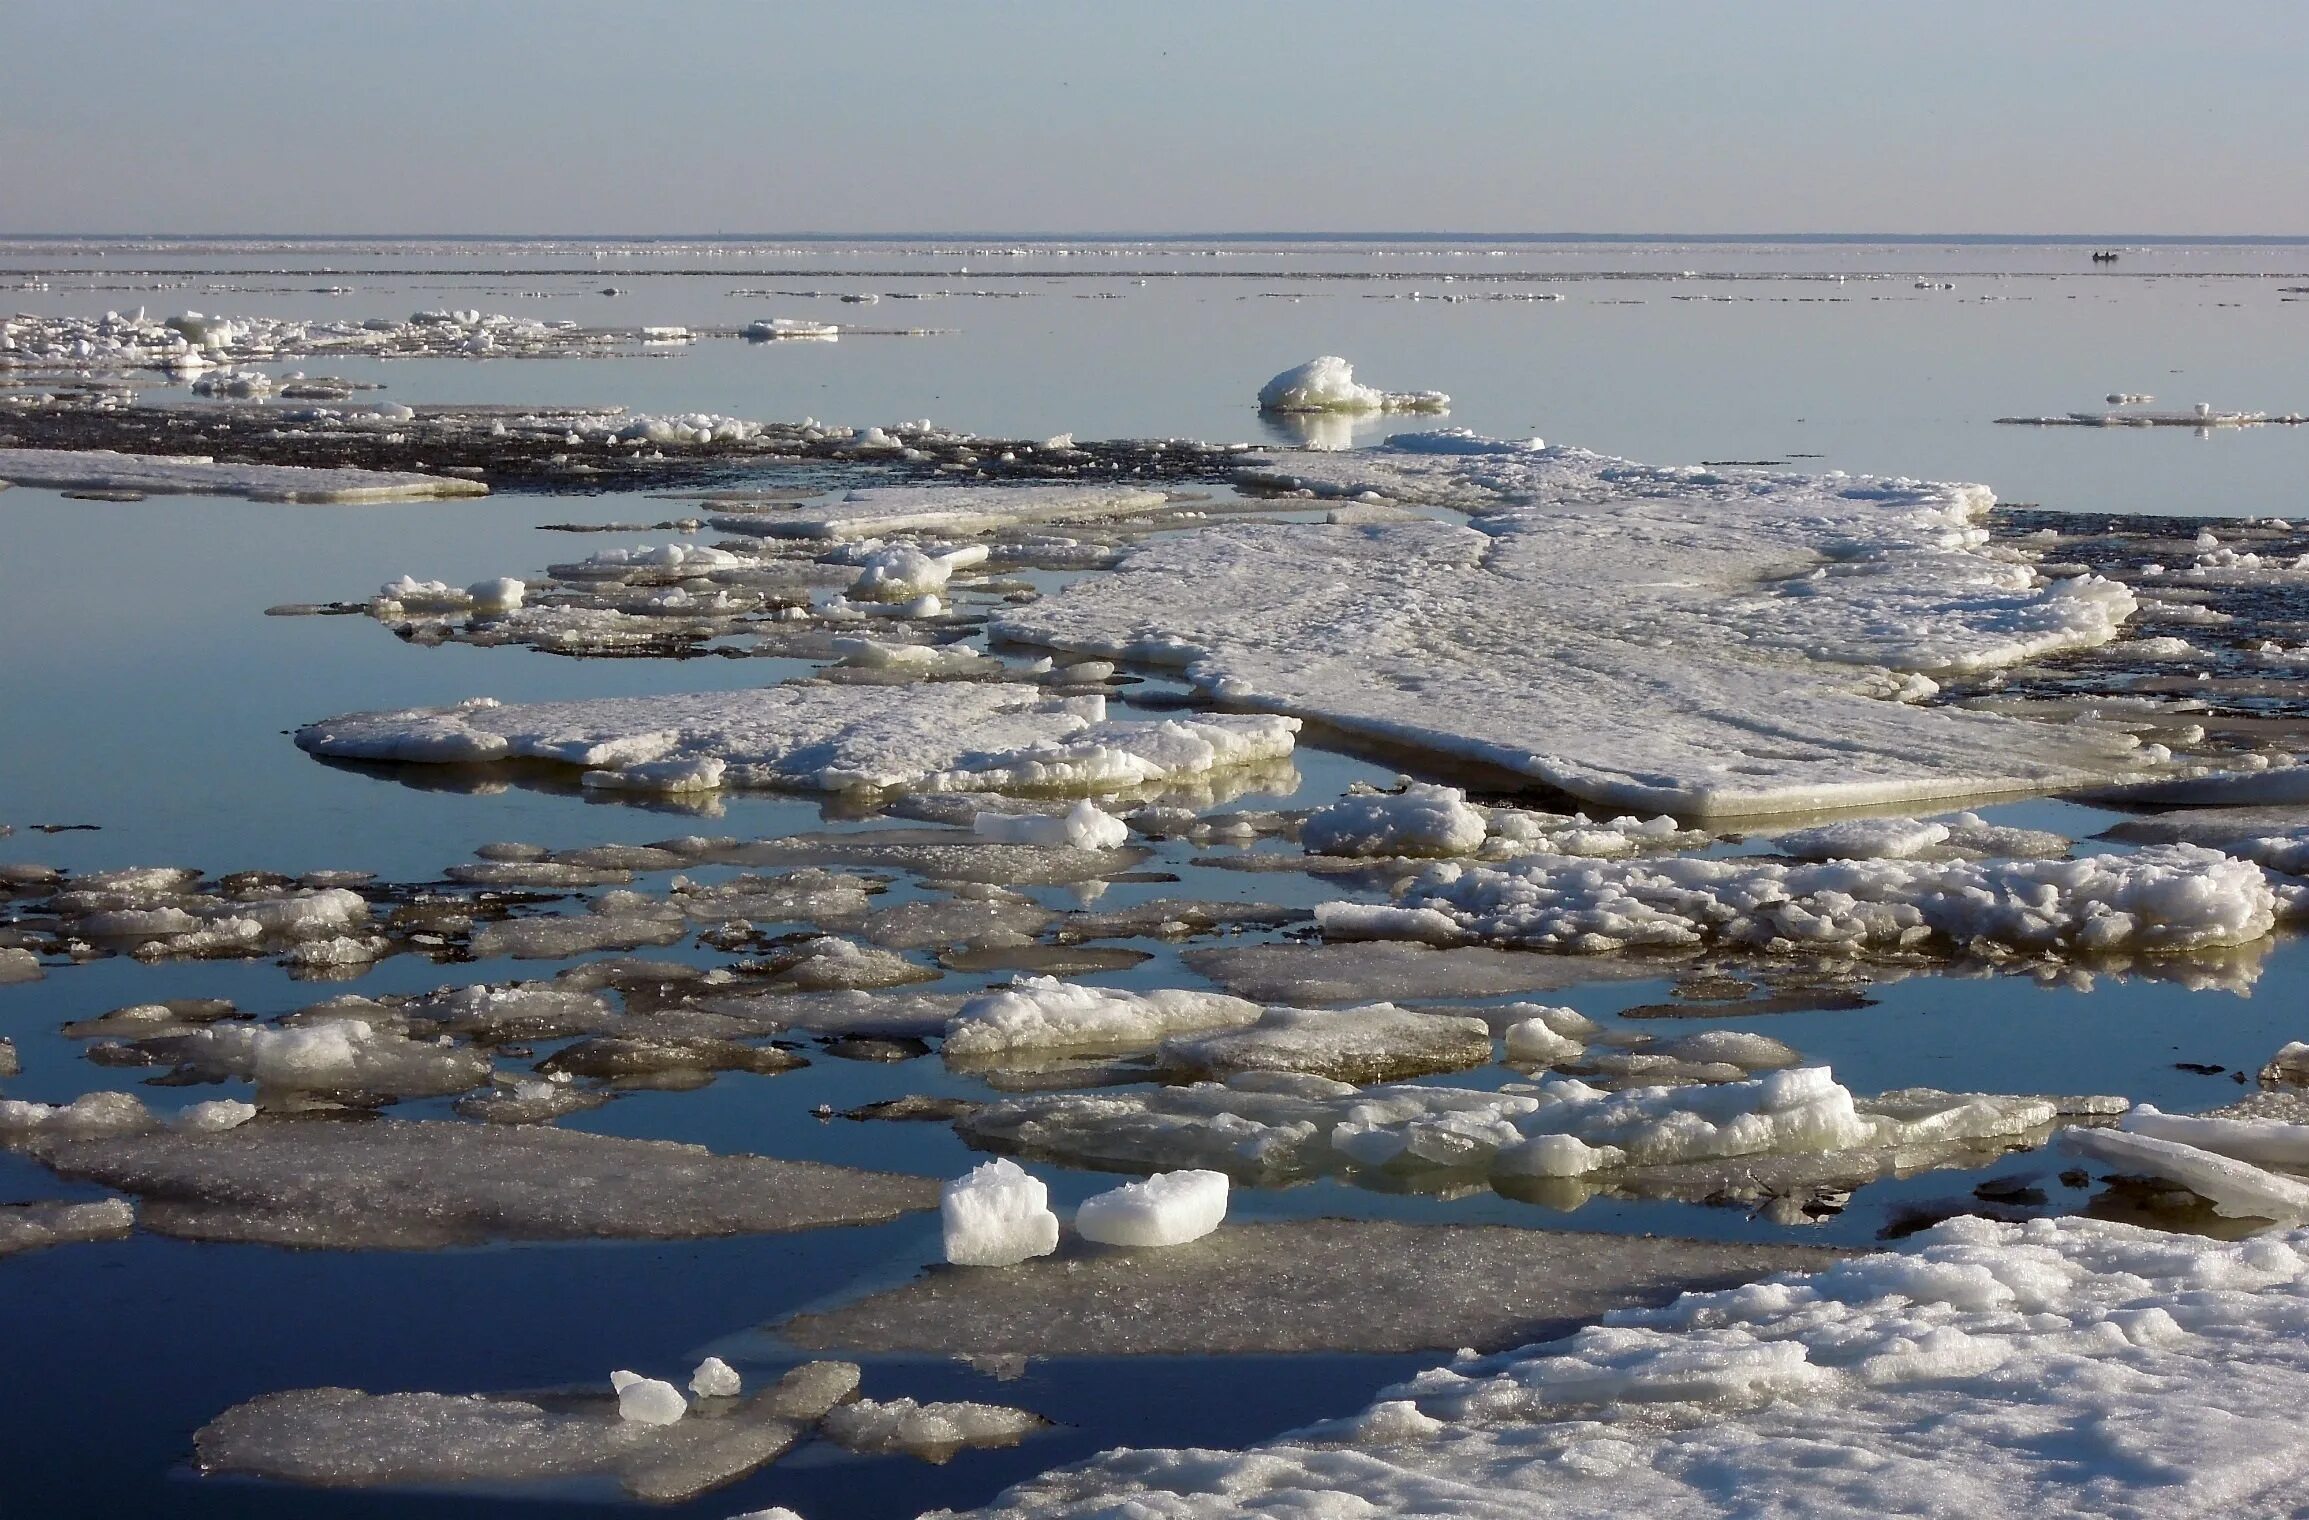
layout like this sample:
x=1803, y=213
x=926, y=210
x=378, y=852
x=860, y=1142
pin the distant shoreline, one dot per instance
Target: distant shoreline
x=1861, y=239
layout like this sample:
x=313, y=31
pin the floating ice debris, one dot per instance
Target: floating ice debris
x=716, y=1379
x=341, y=1437
x=1040, y=1014
x=2202, y=415
x=1328, y=384
x=2056, y=1367
x=215, y=1116
x=1168, y=1209
x=997, y=1216
x=2166, y=899
x=31, y=1226
x=408, y=594
x=166, y=475
x=792, y=327
x=1421, y=819
x=1863, y=839
x=932, y=1432
x=647, y=1401
x=1378, y=1043
x=1692, y=641
x=899, y=572
x=1085, y=826
x=396, y=1185
x=956, y=737
x=1362, y=1285
x=19, y=965
x=879, y=511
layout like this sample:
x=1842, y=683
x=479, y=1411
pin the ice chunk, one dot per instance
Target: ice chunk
x=215, y=1116
x=944, y=738
x=1086, y=826
x=933, y=1432
x=997, y=1216
x=1040, y=1013
x=1863, y=839
x=344, y=1056
x=716, y=1379
x=901, y=572
x=1327, y=384
x=1168, y=1209
x=1534, y=1042
x=879, y=511
x=2236, y=1189
x=1420, y=820
x=1690, y=641
x=647, y=1401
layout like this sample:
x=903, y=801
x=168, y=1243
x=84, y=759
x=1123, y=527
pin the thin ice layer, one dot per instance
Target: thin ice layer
x=949, y=737
x=174, y=475
x=1703, y=643
x=2060, y=1367
x=414, y=1186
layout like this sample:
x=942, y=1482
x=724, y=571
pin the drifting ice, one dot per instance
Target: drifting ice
x=1168, y=1209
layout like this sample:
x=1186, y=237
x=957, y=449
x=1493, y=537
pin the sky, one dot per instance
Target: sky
x=1166, y=116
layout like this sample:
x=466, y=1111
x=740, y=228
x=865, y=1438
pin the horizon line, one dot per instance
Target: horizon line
x=1348, y=236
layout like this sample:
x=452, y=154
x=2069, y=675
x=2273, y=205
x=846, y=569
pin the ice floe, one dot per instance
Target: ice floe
x=398, y=1185
x=1043, y=1015
x=829, y=738
x=1706, y=643
x=170, y=475
x=1422, y=819
x=879, y=511
x=1376, y=1043
x=2165, y=899
x=33, y=1226
x=2057, y=1367
x=641, y=1433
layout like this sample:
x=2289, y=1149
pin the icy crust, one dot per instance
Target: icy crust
x=32, y=1226
x=1272, y=1126
x=1328, y=384
x=932, y=1432
x=876, y=511
x=344, y=1438
x=397, y=1185
x=2057, y=1367
x=2163, y=900
x=943, y=738
x=175, y=475
x=1700, y=643
x=1045, y=1015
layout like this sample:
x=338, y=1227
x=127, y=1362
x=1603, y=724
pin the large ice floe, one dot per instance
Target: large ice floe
x=175, y=475
x=2057, y=1367
x=1706, y=643
x=942, y=738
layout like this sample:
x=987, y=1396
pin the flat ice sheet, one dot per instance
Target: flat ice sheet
x=2060, y=1367
x=397, y=1185
x=1706, y=643
x=173, y=475
x=874, y=511
x=1312, y=1285
x=948, y=737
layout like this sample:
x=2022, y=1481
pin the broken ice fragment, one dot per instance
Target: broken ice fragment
x=997, y=1216
x=1167, y=1209
x=647, y=1401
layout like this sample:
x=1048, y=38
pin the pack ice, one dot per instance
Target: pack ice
x=1704, y=643
x=940, y=738
x=2057, y=1367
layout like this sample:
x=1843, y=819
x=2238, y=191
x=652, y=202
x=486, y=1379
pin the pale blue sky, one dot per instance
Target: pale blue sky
x=544, y=116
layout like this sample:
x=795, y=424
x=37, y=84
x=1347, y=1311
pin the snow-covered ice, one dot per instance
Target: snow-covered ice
x=1085, y=826
x=1422, y=819
x=2058, y=1367
x=1041, y=1014
x=1707, y=643
x=997, y=1216
x=2162, y=900
x=1375, y=1043
x=879, y=511
x=933, y=1432
x=948, y=737
x=1167, y=1209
